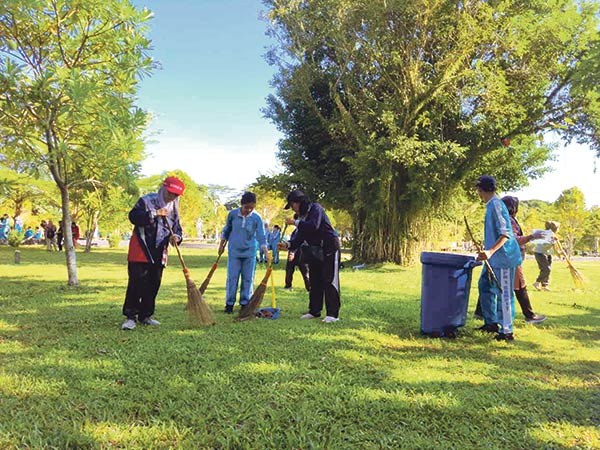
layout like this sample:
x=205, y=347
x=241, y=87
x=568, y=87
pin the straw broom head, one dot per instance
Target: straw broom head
x=199, y=313
x=248, y=312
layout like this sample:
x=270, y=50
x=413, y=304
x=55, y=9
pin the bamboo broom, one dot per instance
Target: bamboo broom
x=204, y=285
x=479, y=248
x=578, y=279
x=198, y=310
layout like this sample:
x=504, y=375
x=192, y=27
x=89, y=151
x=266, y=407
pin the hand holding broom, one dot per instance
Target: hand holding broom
x=197, y=308
x=480, y=250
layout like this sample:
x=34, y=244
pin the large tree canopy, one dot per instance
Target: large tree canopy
x=389, y=106
x=68, y=76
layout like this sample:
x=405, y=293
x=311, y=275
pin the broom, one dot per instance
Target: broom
x=198, y=310
x=578, y=279
x=249, y=310
x=204, y=285
x=479, y=249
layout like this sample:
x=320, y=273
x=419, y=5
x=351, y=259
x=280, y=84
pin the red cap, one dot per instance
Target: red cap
x=174, y=185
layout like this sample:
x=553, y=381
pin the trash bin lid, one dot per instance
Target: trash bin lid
x=446, y=259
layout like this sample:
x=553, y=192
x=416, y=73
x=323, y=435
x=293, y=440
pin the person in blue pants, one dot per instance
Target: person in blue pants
x=275, y=239
x=502, y=252
x=243, y=229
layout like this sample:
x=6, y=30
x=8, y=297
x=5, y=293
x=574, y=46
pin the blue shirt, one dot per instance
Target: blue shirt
x=497, y=224
x=242, y=233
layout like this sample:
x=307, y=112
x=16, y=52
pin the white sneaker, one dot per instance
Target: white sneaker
x=308, y=316
x=129, y=324
x=537, y=285
x=150, y=321
x=329, y=319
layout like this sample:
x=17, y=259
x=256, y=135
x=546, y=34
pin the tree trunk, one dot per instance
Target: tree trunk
x=91, y=228
x=68, y=237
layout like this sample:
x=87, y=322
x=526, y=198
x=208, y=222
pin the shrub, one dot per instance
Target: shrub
x=15, y=238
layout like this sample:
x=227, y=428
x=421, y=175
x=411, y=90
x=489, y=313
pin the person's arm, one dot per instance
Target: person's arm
x=487, y=254
x=141, y=216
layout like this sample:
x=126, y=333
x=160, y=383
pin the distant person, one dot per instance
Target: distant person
x=543, y=255
x=60, y=236
x=28, y=233
x=320, y=250
x=148, y=247
x=243, y=229
x=501, y=250
x=263, y=251
x=274, y=240
x=75, y=233
x=50, y=234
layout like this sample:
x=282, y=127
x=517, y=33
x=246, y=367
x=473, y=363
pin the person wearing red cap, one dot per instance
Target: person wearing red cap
x=148, y=246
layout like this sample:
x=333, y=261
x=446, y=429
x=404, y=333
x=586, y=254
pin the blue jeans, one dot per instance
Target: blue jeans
x=498, y=307
x=237, y=267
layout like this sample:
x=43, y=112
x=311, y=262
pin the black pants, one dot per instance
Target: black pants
x=325, y=282
x=144, y=282
x=545, y=265
x=293, y=261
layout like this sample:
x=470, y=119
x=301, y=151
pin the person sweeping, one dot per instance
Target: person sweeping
x=243, y=229
x=147, y=255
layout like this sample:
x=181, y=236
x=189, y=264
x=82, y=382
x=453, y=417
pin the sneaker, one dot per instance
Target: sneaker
x=504, y=337
x=329, y=319
x=537, y=285
x=150, y=321
x=536, y=318
x=228, y=309
x=129, y=324
x=308, y=316
x=289, y=288
x=477, y=316
x=545, y=288
x=489, y=328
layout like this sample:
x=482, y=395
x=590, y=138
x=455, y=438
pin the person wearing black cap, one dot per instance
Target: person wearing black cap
x=520, y=287
x=320, y=250
x=501, y=250
x=148, y=245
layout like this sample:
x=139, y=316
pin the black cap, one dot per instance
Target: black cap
x=486, y=183
x=294, y=196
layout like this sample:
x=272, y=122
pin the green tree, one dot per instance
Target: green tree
x=572, y=215
x=67, y=89
x=389, y=107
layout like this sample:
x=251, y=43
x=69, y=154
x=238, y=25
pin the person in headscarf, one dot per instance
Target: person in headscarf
x=148, y=246
x=520, y=287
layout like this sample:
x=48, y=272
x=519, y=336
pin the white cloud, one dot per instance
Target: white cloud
x=235, y=166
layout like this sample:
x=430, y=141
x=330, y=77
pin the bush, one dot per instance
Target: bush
x=15, y=238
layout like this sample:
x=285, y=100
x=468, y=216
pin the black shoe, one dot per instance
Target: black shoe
x=450, y=332
x=228, y=309
x=536, y=318
x=489, y=328
x=243, y=306
x=504, y=337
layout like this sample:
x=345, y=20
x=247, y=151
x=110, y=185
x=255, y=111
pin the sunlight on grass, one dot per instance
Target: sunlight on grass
x=70, y=378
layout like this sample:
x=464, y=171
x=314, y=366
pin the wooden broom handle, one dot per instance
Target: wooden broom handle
x=185, y=269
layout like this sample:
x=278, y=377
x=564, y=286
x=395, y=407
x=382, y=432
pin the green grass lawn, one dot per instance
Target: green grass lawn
x=70, y=378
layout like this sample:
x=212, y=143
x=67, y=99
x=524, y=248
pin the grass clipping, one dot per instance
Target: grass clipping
x=199, y=313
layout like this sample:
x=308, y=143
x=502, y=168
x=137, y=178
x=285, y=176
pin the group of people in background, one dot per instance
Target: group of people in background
x=46, y=233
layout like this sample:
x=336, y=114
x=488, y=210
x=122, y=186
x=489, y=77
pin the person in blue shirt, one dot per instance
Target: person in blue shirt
x=275, y=238
x=243, y=229
x=501, y=250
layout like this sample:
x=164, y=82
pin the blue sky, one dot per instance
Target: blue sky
x=206, y=101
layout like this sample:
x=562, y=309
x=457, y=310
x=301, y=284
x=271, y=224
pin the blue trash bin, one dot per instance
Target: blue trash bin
x=445, y=286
